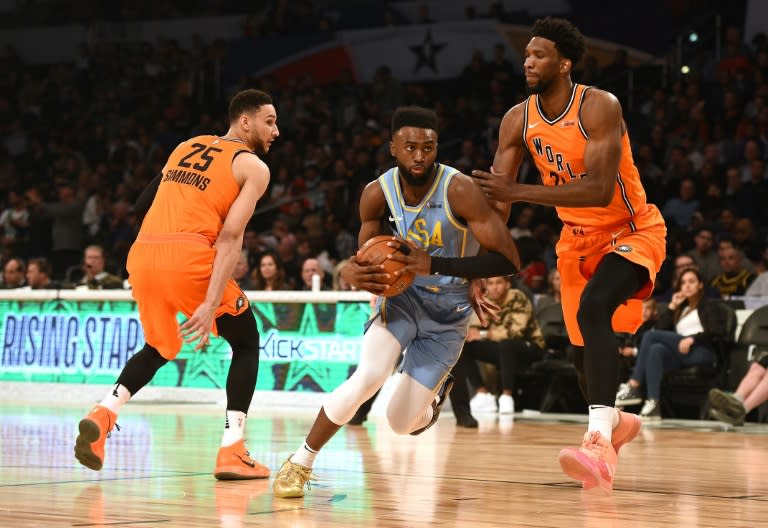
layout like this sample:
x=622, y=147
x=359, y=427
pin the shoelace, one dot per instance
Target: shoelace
x=109, y=433
x=296, y=473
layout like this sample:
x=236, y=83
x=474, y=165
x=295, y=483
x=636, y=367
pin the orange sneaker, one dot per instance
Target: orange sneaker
x=235, y=463
x=95, y=428
x=627, y=429
x=593, y=464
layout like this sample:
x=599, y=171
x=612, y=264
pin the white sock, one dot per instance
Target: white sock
x=234, y=426
x=603, y=419
x=115, y=400
x=304, y=456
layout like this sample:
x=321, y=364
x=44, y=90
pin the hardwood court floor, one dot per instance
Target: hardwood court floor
x=158, y=473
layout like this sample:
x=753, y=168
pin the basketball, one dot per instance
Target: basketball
x=376, y=251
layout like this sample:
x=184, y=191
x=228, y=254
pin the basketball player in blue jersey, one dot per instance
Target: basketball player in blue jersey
x=445, y=215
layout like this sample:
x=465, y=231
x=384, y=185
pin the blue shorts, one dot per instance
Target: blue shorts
x=430, y=326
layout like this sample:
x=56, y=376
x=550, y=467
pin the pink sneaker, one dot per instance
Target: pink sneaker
x=627, y=429
x=593, y=464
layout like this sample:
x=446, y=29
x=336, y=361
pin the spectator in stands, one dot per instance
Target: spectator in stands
x=523, y=222
x=242, y=274
x=552, y=295
x=13, y=274
x=684, y=336
x=680, y=210
x=309, y=269
x=14, y=221
x=339, y=284
x=704, y=254
x=96, y=278
x=533, y=271
x=759, y=287
x=39, y=275
x=269, y=274
x=746, y=238
x=735, y=278
x=512, y=343
x=341, y=241
x=66, y=216
x=752, y=392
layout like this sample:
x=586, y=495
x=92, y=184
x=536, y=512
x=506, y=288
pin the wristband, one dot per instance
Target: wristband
x=491, y=264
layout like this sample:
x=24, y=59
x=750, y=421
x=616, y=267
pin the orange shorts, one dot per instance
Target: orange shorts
x=581, y=249
x=170, y=274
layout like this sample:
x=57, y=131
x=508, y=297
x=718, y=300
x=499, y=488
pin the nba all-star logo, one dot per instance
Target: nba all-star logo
x=426, y=53
x=624, y=248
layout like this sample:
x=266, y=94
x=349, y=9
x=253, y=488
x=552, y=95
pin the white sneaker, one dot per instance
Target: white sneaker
x=483, y=403
x=506, y=404
x=651, y=411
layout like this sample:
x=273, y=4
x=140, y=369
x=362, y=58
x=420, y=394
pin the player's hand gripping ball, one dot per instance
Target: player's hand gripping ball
x=376, y=250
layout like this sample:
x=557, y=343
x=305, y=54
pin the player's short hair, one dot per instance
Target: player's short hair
x=414, y=116
x=247, y=101
x=567, y=38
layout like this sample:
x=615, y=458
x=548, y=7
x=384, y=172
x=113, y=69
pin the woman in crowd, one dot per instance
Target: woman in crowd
x=270, y=274
x=685, y=335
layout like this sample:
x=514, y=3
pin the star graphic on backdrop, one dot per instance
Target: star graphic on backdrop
x=209, y=362
x=317, y=373
x=426, y=52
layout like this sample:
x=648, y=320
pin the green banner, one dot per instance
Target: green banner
x=303, y=346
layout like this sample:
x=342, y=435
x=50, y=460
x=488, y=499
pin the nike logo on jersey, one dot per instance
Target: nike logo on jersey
x=392, y=218
x=462, y=308
x=531, y=125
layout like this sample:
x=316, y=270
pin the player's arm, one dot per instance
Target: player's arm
x=365, y=276
x=602, y=119
x=467, y=202
x=509, y=154
x=508, y=157
x=254, y=174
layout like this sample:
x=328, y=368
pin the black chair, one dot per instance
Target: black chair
x=684, y=392
x=552, y=325
x=556, y=371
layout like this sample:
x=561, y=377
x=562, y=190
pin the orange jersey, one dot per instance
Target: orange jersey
x=557, y=147
x=196, y=190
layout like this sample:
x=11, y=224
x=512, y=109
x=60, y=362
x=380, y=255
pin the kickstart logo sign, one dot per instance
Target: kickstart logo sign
x=302, y=346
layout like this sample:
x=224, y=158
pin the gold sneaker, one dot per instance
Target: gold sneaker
x=290, y=480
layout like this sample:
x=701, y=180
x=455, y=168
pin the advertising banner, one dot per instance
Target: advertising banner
x=303, y=346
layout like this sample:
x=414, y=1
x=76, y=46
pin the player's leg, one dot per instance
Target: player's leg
x=233, y=460
x=426, y=380
x=380, y=351
x=615, y=280
x=99, y=422
x=159, y=324
x=413, y=407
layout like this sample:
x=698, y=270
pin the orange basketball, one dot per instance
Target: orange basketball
x=376, y=251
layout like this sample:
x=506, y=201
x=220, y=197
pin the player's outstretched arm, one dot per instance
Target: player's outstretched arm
x=254, y=174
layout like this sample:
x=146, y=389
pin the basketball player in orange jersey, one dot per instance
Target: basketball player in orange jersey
x=612, y=243
x=182, y=261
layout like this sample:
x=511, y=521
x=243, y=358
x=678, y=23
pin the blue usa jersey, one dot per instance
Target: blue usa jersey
x=430, y=224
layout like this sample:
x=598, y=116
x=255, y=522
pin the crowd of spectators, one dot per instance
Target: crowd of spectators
x=81, y=140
